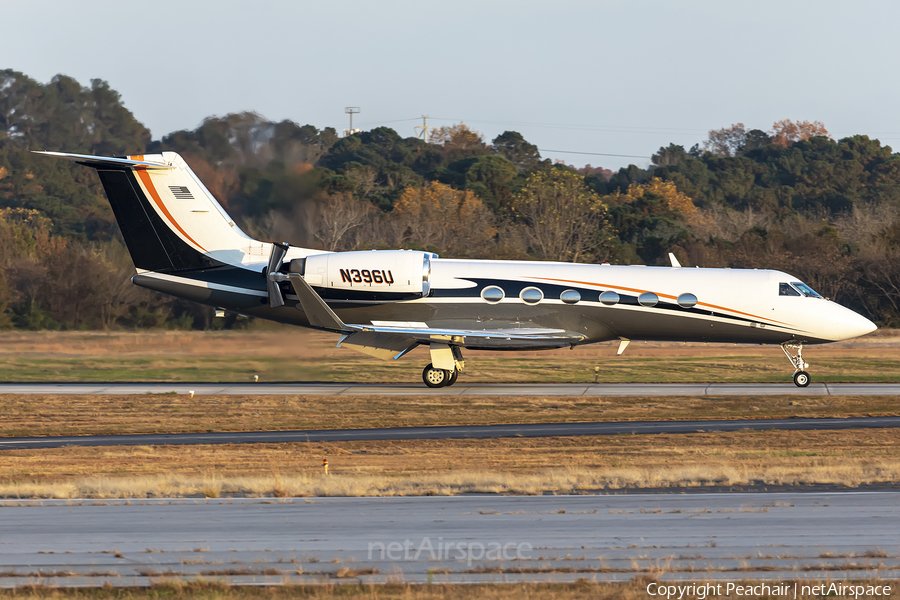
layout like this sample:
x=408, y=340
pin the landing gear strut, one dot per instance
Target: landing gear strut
x=801, y=377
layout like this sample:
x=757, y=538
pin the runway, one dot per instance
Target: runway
x=730, y=537
x=448, y=432
x=460, y=389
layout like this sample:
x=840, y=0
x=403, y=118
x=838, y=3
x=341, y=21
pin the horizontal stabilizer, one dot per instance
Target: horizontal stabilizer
x=99, y=162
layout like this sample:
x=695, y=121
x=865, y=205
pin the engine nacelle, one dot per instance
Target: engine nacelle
x=406, y=272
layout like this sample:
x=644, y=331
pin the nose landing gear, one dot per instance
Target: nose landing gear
x=801, y=377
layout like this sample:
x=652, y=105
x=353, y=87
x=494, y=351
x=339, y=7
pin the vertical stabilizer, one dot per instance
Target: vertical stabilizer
x=169, y=220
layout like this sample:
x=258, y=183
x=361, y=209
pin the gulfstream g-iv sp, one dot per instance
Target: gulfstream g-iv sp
x=385, y=303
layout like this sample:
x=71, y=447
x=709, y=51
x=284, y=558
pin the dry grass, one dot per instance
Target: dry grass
x=30, y=415
x=581, y=590
x=294, y=354
x=527, y=466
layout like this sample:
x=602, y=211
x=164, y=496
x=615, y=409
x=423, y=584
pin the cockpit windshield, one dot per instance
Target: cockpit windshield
x=785, y=289
x=805, y=289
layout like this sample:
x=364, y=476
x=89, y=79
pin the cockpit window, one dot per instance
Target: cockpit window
x=785, y=289
x=805, y=289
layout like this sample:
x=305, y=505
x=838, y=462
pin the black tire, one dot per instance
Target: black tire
x=454, y=375
x=801, y=379
x=435, y=378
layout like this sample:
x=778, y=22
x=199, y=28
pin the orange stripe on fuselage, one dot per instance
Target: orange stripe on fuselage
x=145, y=178
x=639, y=291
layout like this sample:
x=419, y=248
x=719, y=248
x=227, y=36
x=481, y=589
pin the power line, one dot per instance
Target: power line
x=606, y=128
x=592, y=153
x=394, y=121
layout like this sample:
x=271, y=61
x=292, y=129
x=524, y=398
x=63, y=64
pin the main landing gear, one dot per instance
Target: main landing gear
x=435, y=378
x=801, y=377
x=449, y=361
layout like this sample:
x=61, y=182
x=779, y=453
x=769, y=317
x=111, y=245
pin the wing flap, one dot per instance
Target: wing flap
x=379, y=345
x=460, y=336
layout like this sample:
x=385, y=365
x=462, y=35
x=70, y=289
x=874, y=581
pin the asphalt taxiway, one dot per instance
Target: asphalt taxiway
x=774, y=536
x=448, y=432
x=460, y=389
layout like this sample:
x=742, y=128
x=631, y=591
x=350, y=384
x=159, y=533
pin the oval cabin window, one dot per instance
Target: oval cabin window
x=570, y=297
x=492, y=294
x=531, y=295
x=609, y=298
x=648, y=299
x=687, y=301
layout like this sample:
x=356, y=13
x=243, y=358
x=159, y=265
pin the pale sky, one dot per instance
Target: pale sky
x=608, y=77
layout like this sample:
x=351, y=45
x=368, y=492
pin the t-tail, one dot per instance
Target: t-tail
x=169, y=220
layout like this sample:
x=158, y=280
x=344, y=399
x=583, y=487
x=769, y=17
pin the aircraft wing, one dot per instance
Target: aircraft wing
x=394, y=342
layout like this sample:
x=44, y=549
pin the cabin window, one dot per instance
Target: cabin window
x=687, y=301
x=570, y=296
x=492, y=294
x=609, y=298
x=805, y=289
x=785, y=289
x=531, y=295
x=648, y=299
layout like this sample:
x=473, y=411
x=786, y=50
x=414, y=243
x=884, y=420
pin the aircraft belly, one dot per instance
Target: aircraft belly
x=658, y=326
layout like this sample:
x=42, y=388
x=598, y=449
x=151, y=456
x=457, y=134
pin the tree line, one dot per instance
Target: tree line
x=789, y=198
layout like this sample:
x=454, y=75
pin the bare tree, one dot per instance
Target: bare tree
x=333, y=218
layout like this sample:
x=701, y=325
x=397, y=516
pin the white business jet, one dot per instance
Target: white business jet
x=385, y=303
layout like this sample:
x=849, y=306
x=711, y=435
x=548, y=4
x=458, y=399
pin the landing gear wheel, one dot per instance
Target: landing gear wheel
x=453, y=377
x=435, y=378
x=801, y=379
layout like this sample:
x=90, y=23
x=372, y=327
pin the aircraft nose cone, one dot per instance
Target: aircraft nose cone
x=851, y=325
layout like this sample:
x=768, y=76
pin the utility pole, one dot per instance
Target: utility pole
x=424, y=128
x=351, y=110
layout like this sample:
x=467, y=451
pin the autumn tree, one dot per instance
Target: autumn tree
x=727, y=141
x=459, y=136
x=441, y=218
x=786, y=132
x=562, y=219
x=675, y=200
x=459, y=141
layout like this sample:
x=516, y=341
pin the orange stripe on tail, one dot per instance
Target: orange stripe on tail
x=145, y=178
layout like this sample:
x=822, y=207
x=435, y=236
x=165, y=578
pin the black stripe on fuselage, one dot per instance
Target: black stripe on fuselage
x=512, y=289
x=342, y=299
